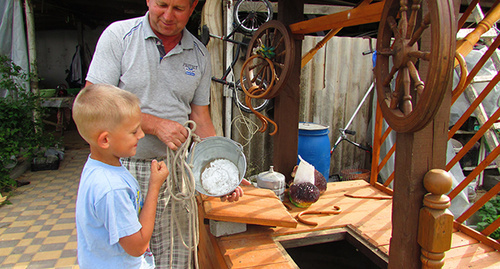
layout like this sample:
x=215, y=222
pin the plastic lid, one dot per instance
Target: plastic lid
x=270, y=179
x=312, y=126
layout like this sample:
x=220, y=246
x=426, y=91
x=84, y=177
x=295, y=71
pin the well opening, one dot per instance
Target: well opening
x=337, y=248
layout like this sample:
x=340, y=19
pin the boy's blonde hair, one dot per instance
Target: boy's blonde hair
x=102, y=107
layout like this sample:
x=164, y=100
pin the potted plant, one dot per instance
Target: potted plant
x=21, y=127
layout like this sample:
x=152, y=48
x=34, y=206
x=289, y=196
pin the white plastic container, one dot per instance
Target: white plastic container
x=272, y=180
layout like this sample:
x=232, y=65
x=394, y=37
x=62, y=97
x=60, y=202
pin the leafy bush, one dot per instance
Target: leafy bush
x=21, y=128
x=488, y=213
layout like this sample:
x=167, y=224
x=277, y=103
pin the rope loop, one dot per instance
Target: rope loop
x=181, y=187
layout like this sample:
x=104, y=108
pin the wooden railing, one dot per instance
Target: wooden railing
x=463, y=48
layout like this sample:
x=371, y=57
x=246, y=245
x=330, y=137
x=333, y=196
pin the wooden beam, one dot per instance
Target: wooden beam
x=286, y=106
x=360, y=15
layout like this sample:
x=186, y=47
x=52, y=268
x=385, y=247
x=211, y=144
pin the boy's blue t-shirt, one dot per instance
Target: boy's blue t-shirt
x=107, y=209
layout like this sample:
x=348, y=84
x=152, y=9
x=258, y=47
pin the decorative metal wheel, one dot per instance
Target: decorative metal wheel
x=409, y=98
x=270, y=57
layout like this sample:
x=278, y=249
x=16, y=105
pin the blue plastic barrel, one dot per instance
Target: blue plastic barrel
x=314, y=146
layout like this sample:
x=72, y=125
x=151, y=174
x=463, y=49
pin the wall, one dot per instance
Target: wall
x=55, y=51
x=333, y=83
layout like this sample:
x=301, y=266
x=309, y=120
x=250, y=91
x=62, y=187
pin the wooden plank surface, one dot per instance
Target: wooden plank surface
x=256, y=206
x=370, y=218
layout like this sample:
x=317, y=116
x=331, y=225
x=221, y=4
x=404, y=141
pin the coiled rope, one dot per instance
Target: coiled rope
x=181, y=187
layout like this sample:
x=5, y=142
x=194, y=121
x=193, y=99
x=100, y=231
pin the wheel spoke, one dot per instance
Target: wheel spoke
x=396, y=94
x=275, y=35
x=283, y=53
x=280, y=42
x=406, y=105
x=255, y=75
x=424, y=55
x=394, y=27
x=403, y=21
x=415, y=7
x=419, y=84
x=385, y=52
x=389, y=77
x=280, y=65
x=424, y=25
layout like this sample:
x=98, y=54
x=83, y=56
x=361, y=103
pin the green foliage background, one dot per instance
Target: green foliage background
x=21, y=127
x=488, y=214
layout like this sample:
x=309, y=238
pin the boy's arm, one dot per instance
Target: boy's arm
x=136, y=244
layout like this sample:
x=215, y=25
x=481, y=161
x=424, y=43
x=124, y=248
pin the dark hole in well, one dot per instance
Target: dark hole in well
x=336, y=254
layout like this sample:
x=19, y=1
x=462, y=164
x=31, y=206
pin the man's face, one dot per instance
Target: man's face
x=169, y=17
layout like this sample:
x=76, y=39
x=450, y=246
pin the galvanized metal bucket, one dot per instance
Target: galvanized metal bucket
x=214, y=148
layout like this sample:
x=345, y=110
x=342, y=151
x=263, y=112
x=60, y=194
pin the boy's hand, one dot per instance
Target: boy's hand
x=159, y=172
x=237, y=193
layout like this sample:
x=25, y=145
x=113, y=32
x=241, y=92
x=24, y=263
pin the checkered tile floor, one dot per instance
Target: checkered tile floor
x=38, y=229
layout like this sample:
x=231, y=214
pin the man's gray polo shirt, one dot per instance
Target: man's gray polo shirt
x=127, y=56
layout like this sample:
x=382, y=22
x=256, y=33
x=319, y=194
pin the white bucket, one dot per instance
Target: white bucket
x=212, y=149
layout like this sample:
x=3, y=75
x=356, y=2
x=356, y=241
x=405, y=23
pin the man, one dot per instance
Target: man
x=157, y=59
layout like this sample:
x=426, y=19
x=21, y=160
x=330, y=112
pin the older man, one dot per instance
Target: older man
x=157, y=59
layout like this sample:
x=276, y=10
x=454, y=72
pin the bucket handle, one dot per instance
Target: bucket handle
x=238, y=145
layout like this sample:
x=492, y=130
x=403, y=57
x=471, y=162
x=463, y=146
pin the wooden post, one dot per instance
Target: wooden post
x=212, y=17
x=435, y=220
x=416, y=154
x=30, y=33
x=286, y=106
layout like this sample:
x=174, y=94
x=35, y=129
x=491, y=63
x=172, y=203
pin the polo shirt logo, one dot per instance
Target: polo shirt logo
x=190, y=69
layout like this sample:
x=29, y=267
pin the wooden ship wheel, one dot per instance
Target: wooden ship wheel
x=408, y=98
x=270, y=56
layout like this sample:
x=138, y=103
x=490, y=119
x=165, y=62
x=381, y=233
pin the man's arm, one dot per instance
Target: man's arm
x=204, y=125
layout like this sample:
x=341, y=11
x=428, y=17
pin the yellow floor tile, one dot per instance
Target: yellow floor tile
x=32, y=249
x=5, y=251
x=22, y=223
x=31, y=212
x=12, y=258
x=71, y=245
x=56, y=239
x=14, y=236
x=8, y=219
x=24, y=242
x=58, y=211
x=23, y=265
x=47, y=255
x=51, y=222
x=67, y=215
x=35, y=228
x=64, y=226
x=42, y=234
x=62, y=262
x=51, y=207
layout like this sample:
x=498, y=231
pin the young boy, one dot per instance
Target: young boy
x=114, y=223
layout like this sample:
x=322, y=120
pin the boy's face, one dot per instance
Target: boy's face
x=123, y=139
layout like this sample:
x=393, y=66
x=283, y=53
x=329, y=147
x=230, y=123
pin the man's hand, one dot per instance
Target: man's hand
x=171, y=133
x=237, y=193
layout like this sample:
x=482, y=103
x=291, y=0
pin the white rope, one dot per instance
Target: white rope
x=181, y=187
x=251, y=126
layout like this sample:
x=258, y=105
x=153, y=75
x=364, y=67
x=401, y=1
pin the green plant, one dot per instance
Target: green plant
x=21, y=128
x=488, y=213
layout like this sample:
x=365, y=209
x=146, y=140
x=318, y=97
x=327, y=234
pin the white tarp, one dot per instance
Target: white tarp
x=13, y=34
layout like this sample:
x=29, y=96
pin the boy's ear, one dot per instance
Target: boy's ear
x=103, y=140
